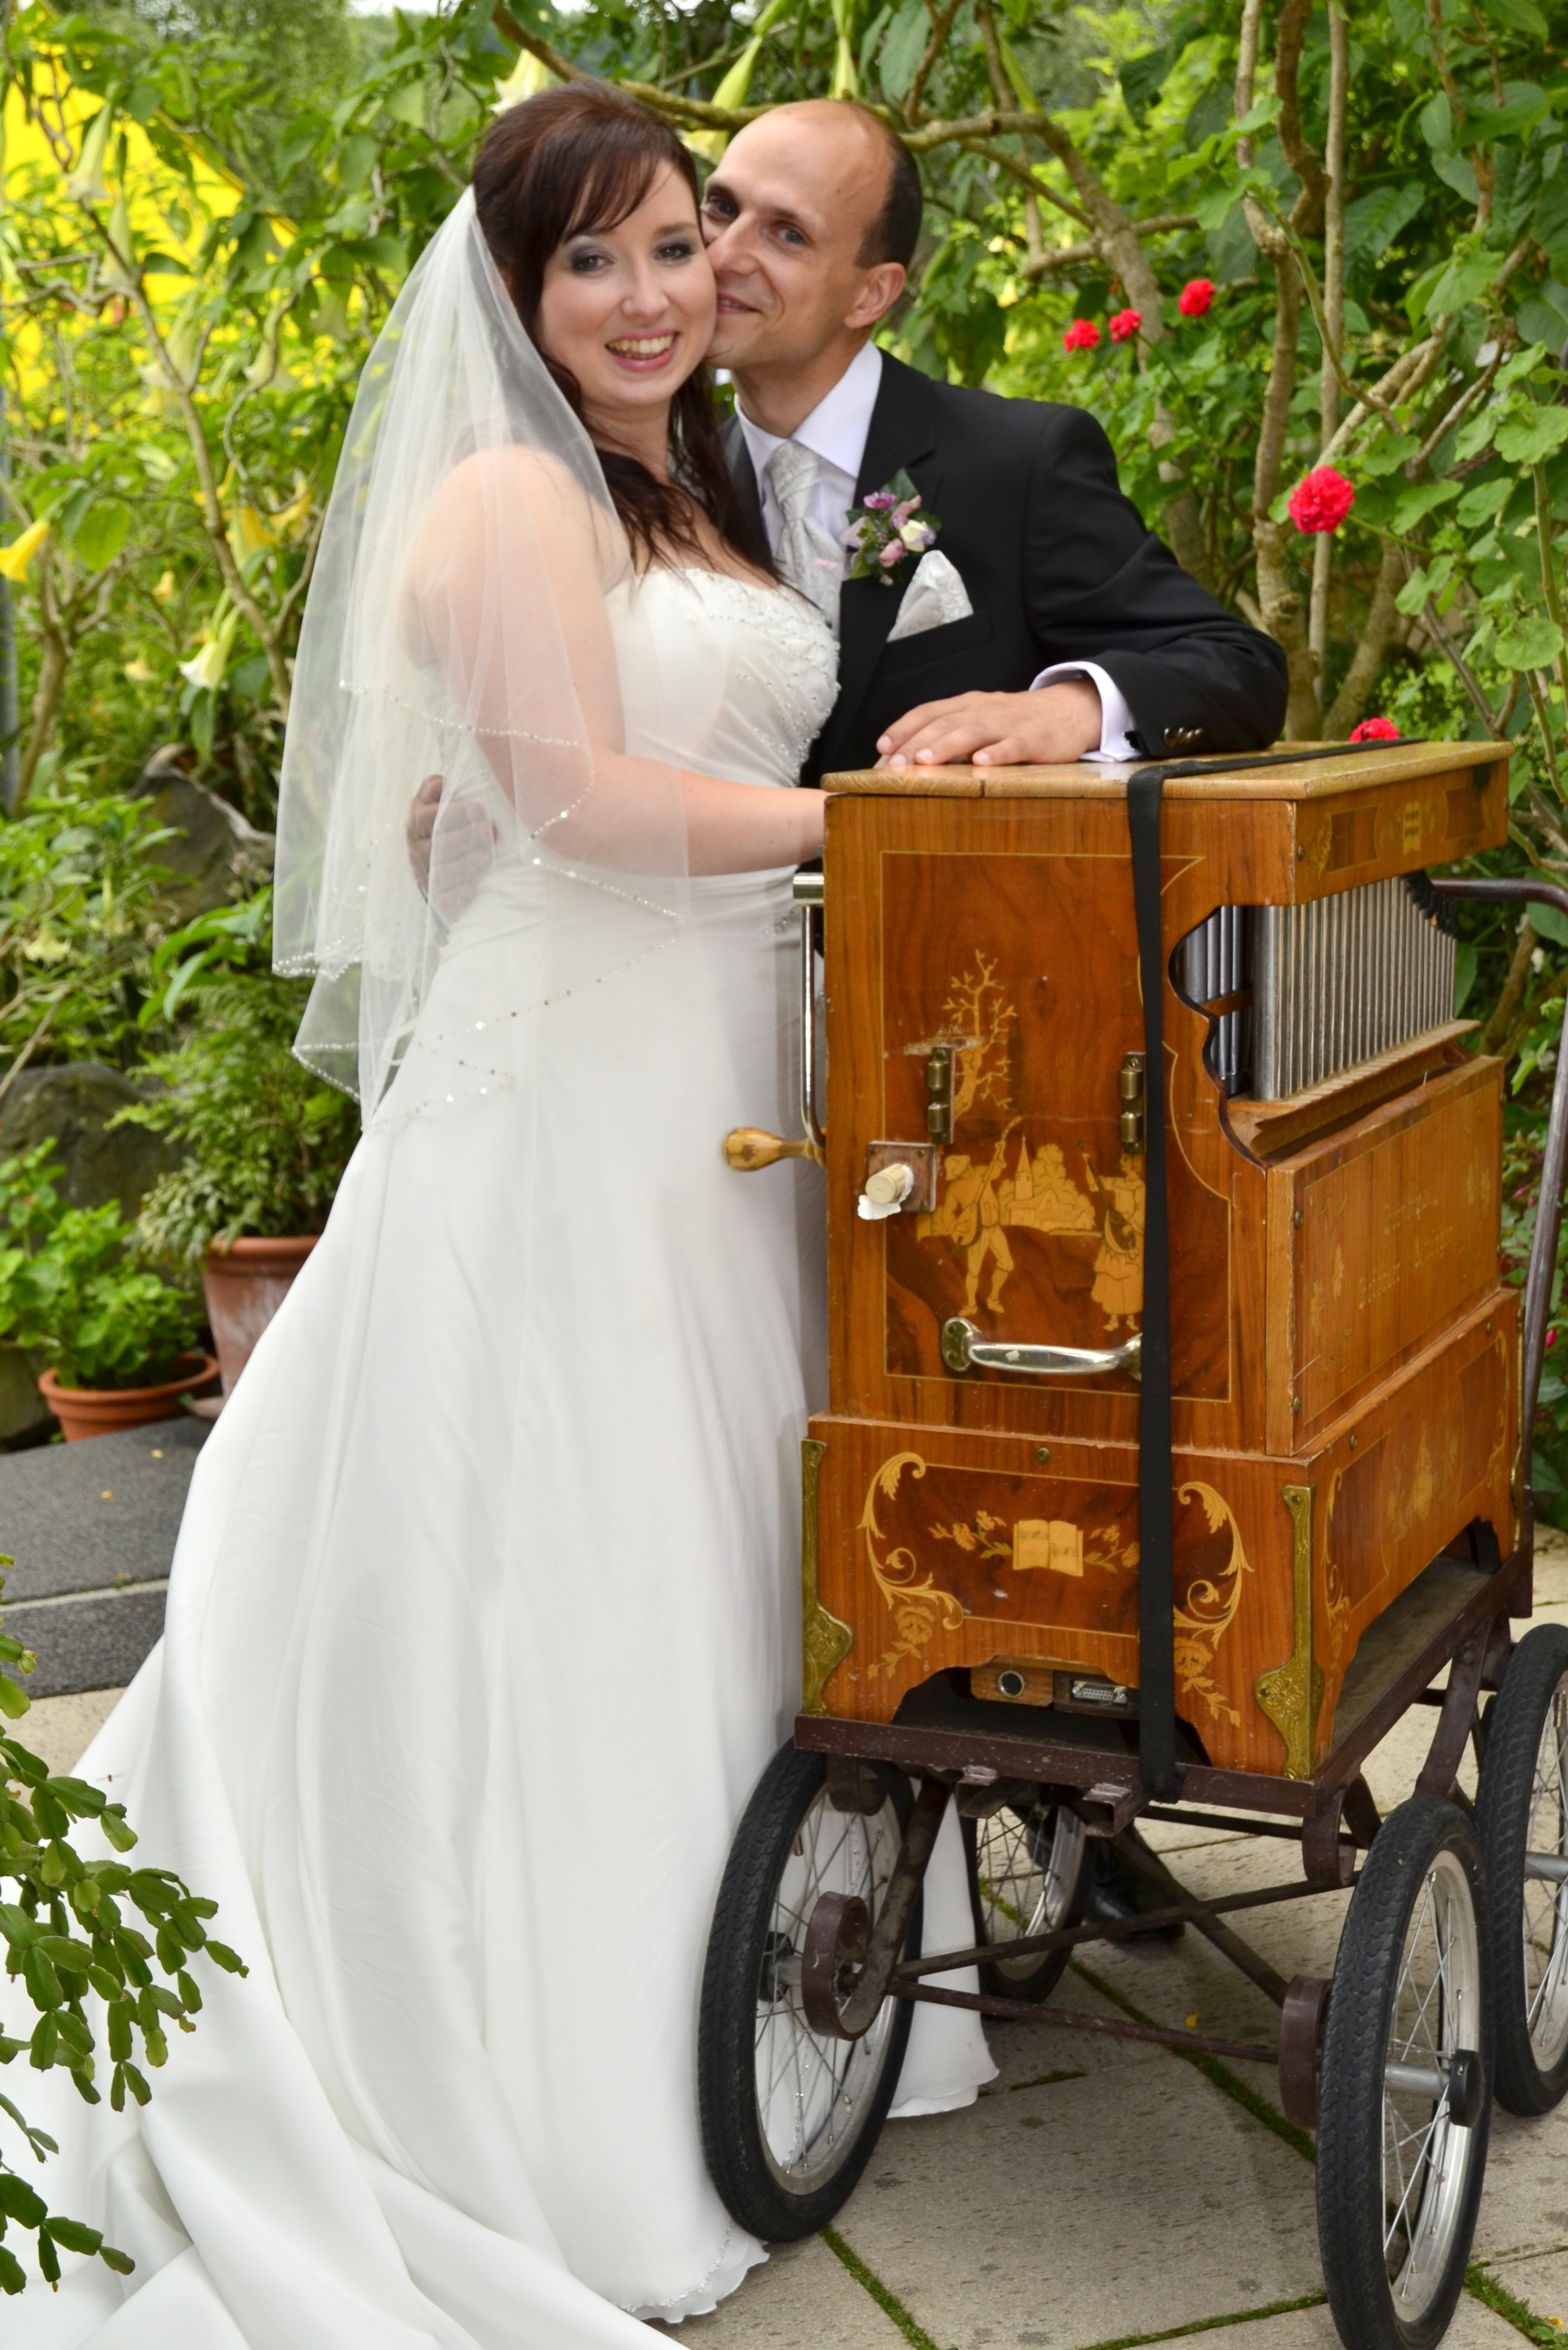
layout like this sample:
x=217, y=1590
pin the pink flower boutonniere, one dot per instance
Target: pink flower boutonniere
x=891, y=525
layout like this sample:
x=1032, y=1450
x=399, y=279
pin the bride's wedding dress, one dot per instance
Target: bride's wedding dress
x=483, y=1622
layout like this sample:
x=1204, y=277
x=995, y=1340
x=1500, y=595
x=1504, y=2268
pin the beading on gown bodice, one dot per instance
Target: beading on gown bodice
x=722, y=676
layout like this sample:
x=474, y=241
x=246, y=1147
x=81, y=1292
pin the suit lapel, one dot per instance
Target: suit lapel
x=902, y=435
x=742, y=471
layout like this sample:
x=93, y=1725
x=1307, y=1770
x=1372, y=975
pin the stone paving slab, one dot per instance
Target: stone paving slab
x=1541, y=2282
x=91, y=1529
x=1475, y=2327
x=1071, y=2213
x=59, y=1730
x=85, y=1517
x=804, y=2296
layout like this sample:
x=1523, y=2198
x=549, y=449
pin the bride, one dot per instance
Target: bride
x=485, y=1619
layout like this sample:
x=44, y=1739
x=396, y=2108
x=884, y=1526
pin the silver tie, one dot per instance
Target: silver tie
x=809, y=557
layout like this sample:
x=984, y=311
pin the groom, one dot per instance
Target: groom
x=1054, y=627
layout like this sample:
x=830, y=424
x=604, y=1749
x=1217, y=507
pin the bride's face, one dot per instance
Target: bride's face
x=629, y=310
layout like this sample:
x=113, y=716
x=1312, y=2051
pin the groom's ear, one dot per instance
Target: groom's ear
x=879, y=289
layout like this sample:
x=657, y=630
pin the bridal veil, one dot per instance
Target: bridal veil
x=459, y=625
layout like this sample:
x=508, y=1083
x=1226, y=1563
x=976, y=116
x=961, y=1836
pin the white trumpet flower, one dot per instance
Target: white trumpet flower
x=86, y=183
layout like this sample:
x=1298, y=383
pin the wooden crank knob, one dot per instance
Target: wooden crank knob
x=747, y=1148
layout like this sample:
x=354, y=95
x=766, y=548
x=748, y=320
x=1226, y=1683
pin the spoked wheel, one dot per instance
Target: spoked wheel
x=1522, y=1818
x=790, y=2119
x=1029, y=1871
x=1404, y=2091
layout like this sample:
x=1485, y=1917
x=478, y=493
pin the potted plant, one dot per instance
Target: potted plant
x=120, y=1342
x=266, y=1140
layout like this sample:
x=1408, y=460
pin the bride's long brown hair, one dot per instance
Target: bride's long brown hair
x=580, y=160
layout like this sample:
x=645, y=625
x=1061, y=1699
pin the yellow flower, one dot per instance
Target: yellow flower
x=292, y=517
x=527, y=77
x=164, y=591
x=138, y=671
x=86, y=183
x=14, y=559
x=206, y=667
x=248, y=533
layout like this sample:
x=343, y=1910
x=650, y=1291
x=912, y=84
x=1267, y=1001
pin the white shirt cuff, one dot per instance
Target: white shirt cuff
x=1116, y=718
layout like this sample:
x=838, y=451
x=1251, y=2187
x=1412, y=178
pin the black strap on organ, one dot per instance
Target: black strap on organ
x=1157, y=1583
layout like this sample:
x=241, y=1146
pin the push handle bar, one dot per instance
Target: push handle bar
x=1553, y=1167
x=964, y=1350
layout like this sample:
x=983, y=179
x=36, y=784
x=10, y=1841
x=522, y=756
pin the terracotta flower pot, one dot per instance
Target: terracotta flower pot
x=99, y=1411
x=245, y=1284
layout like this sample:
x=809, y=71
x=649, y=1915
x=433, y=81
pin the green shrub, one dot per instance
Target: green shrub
x=65, y=1923
x=69, y=1284
x=266, y=1140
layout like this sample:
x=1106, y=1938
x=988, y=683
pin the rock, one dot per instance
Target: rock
x=25, y=1418
x=216, y=854
x=72, y=1105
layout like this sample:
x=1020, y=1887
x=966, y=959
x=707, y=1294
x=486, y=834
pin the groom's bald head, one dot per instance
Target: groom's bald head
x=811, y=217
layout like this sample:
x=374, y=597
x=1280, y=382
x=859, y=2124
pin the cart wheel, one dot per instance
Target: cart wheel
x=1404, y=2091
x=1522, y=1818
x=790, y=2119
x=1028, y=1874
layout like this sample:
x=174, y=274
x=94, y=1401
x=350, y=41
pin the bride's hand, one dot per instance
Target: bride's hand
x=463, y=857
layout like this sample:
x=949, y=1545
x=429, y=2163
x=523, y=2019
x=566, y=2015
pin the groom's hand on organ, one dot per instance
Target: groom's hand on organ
x=1051, y=727
x=463, y=856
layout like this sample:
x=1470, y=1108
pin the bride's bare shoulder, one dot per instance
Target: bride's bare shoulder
x=497, y=488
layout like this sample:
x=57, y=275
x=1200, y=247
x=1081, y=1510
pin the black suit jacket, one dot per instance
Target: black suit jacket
x=1058, y=567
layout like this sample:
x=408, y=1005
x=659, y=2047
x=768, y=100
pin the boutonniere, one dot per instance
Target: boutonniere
x=892, y=526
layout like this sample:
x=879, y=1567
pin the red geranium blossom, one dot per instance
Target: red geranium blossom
x=1321, y=500
x=1194, y=299
x=1124, y=326
x=1375, y=730
x=1083, y=335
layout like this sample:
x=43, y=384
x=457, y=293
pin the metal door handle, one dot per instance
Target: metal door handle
x=964, y=1350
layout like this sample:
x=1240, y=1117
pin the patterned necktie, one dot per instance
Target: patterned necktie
x=809, y=557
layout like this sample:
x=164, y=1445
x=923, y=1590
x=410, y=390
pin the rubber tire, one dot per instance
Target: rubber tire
x=1516, y=1718
x=748, y=2186
x=1042, y=1979
x=1350, y=2205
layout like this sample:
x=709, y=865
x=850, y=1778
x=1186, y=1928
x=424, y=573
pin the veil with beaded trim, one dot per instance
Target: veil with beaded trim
x=458, y=624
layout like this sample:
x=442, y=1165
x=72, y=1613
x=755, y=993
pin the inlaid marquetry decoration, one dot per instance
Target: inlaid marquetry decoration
x=1014, y=1183
x=916, y=1603
x=1210, y=1608
x=825, y=1641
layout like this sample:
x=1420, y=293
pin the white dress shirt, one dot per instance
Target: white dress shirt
x=835, y=432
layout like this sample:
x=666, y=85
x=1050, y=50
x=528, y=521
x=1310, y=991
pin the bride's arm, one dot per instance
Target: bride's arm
x=506, y=591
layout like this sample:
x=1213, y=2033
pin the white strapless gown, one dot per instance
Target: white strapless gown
x=483, y=1621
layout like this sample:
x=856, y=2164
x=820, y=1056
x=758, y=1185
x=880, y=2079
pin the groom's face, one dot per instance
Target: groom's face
x=786, y=216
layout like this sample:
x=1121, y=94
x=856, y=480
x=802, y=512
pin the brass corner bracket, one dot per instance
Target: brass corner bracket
x=1291, y=1694
x=825, y=1641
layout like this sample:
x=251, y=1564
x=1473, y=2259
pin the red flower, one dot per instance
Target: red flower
x=1552, y=1337
x=1321, y=500
x=1083, y=335
x=1124, y=326
x=1194, y=299
x=1375, y=730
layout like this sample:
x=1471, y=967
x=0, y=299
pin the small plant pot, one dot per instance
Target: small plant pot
x=245, y=1284
x=99, y=1411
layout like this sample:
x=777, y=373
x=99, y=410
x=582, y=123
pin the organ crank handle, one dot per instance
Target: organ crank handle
x=747, y=1148
x=963, y=1350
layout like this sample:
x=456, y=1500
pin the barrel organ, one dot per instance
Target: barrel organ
x=1344, y=1351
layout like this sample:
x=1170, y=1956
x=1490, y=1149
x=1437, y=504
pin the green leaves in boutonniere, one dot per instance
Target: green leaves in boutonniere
x=892, y=526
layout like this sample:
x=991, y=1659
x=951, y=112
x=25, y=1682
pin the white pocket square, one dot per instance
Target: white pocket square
x=935, y=595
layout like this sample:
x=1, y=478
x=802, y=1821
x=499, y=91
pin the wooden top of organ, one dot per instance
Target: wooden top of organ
x=1338, y=1328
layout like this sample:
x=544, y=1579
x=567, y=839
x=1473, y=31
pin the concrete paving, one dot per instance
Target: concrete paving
x=1099, y=2192
x=91, y=1531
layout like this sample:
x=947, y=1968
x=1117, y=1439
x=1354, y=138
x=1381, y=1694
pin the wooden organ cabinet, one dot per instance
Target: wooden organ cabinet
x=1343, y=1353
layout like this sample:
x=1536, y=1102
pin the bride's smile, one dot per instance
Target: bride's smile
x=628, y=312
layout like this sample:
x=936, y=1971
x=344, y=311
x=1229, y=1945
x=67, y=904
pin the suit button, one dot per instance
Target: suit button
x=1184, y=738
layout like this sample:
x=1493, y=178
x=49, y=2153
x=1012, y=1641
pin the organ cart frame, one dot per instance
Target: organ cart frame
x=1453, y=1967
